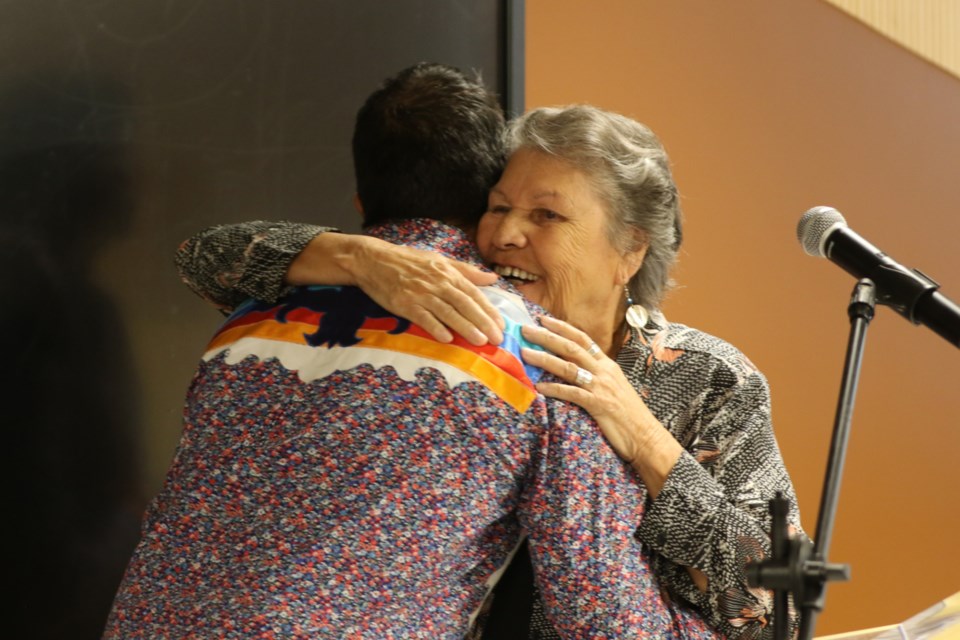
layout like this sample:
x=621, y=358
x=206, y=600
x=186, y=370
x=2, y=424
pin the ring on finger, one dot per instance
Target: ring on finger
x=583, y=378
x=594, y=350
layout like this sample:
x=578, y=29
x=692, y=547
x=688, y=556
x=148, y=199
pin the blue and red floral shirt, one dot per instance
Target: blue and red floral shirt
x=343, y=475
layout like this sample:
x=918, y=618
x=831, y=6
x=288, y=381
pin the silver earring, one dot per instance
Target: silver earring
x=637, y=316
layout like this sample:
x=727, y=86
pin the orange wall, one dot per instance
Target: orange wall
x=768, y=109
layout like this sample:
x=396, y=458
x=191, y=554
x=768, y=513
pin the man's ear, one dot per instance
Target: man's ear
x=358, y=203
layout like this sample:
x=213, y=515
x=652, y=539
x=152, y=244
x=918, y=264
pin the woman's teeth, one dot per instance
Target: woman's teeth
x=515, y=273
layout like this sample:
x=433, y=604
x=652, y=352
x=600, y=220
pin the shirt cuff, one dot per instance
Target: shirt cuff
x=681, y=520
x=269, y=257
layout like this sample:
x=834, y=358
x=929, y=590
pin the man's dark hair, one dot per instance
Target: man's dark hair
x=428, y=144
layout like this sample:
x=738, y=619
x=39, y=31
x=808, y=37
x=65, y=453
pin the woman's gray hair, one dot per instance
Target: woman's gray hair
x=630, y=171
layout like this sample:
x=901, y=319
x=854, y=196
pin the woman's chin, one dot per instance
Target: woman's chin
x=532, y=291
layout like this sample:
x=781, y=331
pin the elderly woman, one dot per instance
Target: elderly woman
x=585, y=221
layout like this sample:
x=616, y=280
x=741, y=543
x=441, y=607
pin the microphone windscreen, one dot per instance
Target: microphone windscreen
x=814, y=227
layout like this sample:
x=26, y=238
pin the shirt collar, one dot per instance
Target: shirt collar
x=428, y=234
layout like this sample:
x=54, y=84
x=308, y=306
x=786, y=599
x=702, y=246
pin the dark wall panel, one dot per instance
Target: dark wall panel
x=126, y=126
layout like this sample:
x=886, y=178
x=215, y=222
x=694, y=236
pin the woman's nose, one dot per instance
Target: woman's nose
x=510, y=232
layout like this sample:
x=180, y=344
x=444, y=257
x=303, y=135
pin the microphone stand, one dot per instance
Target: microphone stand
x=793, y=567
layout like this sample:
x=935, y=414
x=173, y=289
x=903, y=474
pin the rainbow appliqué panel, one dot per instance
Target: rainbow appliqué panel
x=351, y=330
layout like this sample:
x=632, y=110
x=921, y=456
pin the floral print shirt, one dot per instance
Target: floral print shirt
x=712, y=513
x=341, y=474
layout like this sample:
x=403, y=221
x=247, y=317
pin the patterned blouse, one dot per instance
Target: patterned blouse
x=712, y=513
x=343, y=475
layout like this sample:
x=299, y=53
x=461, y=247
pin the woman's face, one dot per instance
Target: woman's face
x=546, y=231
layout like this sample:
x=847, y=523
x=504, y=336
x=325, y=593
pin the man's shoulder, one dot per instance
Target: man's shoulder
x=341, y=327
x=511, y=305
x=337, y=313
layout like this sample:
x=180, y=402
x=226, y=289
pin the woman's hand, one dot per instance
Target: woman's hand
x=430, y=290
x=604, y=391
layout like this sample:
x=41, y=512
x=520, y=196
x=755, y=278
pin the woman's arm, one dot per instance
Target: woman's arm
x=713, y=510
x=708, y=515
x=228, y=264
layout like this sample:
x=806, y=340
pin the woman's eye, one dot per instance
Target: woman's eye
x=547, y=215
x=499, y=208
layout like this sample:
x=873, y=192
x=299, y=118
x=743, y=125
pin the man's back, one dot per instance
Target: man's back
x=340, y=474
x=360, y=499
x=328, y=487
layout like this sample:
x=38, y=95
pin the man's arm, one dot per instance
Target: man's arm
x=580, y=512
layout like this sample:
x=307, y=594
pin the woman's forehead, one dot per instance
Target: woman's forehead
x=539, y=175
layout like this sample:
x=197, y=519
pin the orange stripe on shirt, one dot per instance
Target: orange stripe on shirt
x=495, y=368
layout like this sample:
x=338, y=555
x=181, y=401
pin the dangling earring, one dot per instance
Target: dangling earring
x=637, y=316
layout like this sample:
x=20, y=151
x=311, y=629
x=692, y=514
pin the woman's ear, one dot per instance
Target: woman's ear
x=632, y=259
x=630, y=264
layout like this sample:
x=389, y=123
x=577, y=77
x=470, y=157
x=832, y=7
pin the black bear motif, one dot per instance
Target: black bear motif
x=344, y=310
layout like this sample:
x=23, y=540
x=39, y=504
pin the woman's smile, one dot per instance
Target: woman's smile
x=518, y=277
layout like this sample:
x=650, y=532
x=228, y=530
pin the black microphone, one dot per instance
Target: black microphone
x=824, y=233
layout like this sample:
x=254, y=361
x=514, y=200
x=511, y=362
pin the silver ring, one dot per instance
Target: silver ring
x=594, y=350
x=584, y=378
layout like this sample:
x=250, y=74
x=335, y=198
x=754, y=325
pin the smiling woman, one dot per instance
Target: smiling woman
x=545, y=232
x=585, y=221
